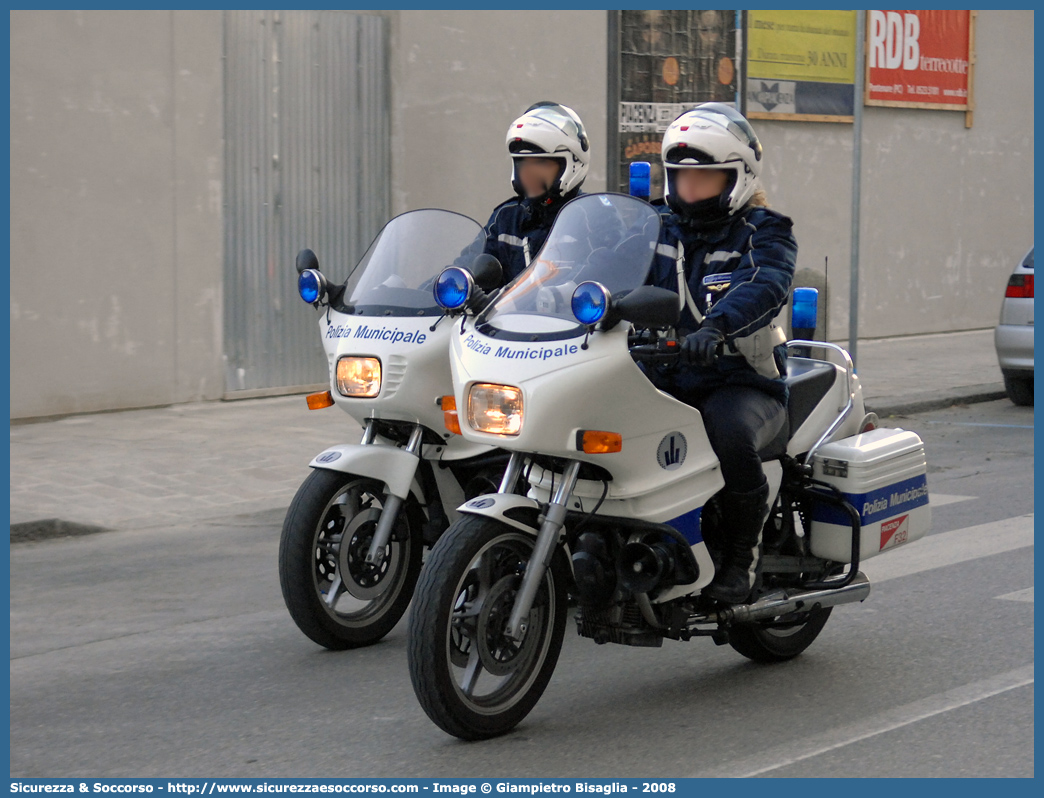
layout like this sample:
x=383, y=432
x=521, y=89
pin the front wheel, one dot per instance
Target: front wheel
x=472, y=679
x=334, y=596
x=781, y=638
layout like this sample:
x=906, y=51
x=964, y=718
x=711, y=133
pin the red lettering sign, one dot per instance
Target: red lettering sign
x=895, y=532
x=919, y=58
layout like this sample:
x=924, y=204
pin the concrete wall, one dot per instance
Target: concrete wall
x=459, y=78
x=946, y=210
x=116, y=183
x=116, y=223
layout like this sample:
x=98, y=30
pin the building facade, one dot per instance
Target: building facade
x=166, y=165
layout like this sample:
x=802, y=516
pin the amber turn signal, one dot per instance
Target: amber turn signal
x=449, y=414
x=317, y=401
x=596, y=442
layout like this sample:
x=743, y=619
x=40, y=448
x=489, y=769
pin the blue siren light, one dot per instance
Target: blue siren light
x=805, y=308
x=590, y=302
x=452, y=288
x=640, y=179
x=311, y=286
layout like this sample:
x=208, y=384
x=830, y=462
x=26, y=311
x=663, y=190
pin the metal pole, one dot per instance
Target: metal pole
x=613, y=178
x=857, y=157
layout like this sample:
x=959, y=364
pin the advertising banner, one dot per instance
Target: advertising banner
x=920, y=59
x=801, y=65
x=669, y=62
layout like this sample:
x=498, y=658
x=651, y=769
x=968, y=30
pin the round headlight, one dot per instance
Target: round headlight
x=590, y=302
x=453, y=287
x=311, y=285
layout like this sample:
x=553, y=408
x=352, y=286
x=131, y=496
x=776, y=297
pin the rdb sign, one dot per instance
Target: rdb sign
x=919, y=59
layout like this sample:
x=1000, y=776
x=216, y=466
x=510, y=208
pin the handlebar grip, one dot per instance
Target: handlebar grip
x=666, y=350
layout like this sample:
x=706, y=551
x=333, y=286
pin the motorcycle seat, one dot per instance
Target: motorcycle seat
x=808, y=382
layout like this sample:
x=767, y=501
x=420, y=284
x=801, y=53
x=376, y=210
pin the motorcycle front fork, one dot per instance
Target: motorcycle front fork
x=544, y=548
x=392, y=503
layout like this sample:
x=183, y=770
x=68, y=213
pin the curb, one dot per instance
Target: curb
x=937, y=400
x=50, y=528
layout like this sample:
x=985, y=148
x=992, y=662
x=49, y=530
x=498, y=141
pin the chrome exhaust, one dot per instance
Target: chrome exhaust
x=784, y=602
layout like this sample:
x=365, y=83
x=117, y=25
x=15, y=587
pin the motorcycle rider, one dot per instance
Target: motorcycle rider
x=732, y=359
x=550, y=156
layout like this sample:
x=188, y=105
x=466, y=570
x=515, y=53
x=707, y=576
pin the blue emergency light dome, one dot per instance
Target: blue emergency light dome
x=804, y=309
x=590, y=302
x=311, y=285
x=453, y=287
x=640, y=179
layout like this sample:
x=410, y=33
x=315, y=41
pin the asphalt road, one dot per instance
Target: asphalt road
x=168, y=652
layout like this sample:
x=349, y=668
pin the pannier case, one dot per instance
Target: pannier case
x=883, y=474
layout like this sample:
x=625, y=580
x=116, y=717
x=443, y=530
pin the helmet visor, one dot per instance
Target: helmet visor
x=733, y=121
x=557, y=116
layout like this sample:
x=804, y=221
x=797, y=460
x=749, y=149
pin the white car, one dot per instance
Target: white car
x=1014, y=335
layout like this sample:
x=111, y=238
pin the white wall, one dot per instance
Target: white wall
x=116, y=222
x=459, y=78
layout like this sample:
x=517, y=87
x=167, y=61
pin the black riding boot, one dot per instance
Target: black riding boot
x=743, y=516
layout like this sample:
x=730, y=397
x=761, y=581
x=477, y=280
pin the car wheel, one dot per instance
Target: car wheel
x=1019, y=387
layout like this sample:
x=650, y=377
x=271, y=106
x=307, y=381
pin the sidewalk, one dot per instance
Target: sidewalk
x=926, y=372
x=147, y=468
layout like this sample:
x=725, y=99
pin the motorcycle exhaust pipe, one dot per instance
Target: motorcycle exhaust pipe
x=784, y=602
x=642, y=568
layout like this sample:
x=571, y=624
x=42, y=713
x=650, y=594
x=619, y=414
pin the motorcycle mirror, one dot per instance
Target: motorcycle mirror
x=648, y=306
x=306, y=259
x=487, y=271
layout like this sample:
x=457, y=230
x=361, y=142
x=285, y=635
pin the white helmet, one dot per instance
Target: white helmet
x=713, y=136
x=550, y=130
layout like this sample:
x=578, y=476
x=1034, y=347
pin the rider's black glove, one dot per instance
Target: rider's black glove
x=701, y=347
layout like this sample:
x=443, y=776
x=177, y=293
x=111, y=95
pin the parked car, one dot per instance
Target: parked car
x=1014, y=335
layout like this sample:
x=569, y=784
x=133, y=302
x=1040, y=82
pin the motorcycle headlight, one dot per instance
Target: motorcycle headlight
x=359, y=377
x=496, y=409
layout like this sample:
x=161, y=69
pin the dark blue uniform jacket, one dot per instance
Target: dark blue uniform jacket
x=518, y=225
x=757, y=248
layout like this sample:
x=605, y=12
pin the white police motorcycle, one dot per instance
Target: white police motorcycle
x=353, y=538
x=622, y=480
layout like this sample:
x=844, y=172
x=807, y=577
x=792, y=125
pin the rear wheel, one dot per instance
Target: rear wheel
x=472, y=679
x=781, y=638
x=334, y=596
x=1019, y=387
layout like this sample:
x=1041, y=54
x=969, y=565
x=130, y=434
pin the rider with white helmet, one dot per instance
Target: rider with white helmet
x=732, y=261
x=550, y=155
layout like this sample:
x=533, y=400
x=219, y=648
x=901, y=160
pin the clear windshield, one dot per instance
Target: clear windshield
x=608, y=238
x=395, y=276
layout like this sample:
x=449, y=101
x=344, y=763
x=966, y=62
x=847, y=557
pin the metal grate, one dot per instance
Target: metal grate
x=307, y=164
x=678, y=58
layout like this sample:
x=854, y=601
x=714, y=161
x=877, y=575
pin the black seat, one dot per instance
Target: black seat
x=808, y=381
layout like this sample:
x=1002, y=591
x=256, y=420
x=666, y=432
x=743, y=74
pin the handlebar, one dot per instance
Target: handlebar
x=664, y=350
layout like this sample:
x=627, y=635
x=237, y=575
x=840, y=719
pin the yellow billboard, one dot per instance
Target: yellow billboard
x=813, y=46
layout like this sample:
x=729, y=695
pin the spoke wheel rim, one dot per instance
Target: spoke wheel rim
x=489, y=672
x=349, y=590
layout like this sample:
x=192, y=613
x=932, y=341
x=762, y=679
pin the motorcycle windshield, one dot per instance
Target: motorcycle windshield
x=608, y=238
x=396, y=275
